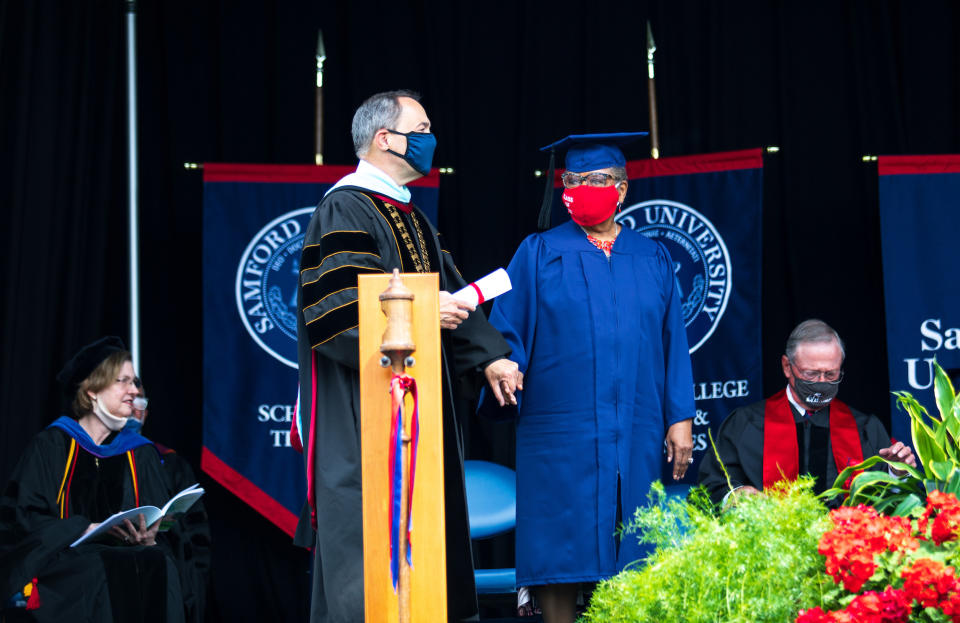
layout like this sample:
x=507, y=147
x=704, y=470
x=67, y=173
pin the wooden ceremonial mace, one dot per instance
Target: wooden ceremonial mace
x=652, y=95
x=318, y=135
x=397, y=347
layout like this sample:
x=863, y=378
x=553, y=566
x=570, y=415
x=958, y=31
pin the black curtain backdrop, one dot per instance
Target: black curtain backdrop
x=826, y=82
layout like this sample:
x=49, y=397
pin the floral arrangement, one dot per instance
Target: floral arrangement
x=756, y=562
x=891, y=569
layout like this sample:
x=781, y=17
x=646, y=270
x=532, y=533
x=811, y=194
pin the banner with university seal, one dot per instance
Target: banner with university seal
x=706, y=211
x=254, y=221
x=919, y=221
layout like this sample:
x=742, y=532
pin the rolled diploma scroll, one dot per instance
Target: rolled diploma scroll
x=485, y=288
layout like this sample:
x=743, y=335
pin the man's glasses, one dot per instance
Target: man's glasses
x=830, y=376
x=572, y=180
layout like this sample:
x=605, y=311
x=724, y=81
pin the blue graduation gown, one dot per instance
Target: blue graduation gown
x=603, y=349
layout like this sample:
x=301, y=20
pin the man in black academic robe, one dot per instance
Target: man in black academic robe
x=366, y=225
x=802, y=429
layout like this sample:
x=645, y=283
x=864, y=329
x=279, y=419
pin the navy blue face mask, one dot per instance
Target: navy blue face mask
x=420, y=146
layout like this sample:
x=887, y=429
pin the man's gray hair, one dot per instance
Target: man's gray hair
x=812, y=331
x=619, y=174
x=376, y=113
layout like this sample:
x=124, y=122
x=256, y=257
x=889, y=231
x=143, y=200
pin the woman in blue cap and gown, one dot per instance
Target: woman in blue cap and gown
x=595, y=324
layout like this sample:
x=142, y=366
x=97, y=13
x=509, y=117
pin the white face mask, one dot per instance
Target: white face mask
x=109, y=420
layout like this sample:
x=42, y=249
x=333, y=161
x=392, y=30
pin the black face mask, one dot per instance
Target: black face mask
x=816, y=394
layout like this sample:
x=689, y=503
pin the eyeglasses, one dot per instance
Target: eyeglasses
x=126, y=380
x=830, y=376
x=572, y=180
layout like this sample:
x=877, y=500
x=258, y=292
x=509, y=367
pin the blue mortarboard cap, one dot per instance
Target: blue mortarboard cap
x=589, y=152
x=585, y=152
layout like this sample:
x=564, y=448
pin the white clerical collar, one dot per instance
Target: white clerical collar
x=374, y=179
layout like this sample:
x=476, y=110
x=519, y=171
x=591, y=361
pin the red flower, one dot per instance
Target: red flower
x=929, y=582
x=944, y=508
x=815, y=615
x=890, y=606
x=859, y=534
x=951, y=606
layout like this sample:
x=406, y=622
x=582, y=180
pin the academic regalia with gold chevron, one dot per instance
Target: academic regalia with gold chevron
x=62, y=483
x=819, y=443
x=357, y=231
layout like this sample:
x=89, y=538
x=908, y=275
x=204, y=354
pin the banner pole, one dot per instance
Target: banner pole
x=318, y=110
x=132, y=186
x=652, y=96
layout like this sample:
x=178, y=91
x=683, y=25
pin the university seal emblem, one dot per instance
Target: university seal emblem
x=701, y=262
x=266, y=286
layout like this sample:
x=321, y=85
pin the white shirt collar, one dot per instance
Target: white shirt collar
x=374, y=179
x=796, y=403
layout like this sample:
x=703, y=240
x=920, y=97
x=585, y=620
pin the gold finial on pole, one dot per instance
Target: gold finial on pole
x=397, y=305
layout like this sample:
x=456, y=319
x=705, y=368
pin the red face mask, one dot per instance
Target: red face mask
x=590, y=205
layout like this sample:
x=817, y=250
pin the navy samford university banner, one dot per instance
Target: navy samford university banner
x=919, y=220
x=254, y=220
x=706, y=210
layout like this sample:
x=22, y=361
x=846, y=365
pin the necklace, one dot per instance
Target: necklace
x=604, y=245
x=421, y=263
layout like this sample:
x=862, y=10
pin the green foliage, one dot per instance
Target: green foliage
x=756, y=562
x=936, y=441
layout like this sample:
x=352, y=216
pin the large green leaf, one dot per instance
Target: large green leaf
x=924, y=442
x=942, y=470
x=953, y=483
x=907, y=504
x=943, y=390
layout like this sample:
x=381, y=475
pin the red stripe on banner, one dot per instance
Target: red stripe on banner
x=250, y=493
x=685, y=165
x=917, y=165
x=291, y=173
x=698, y=163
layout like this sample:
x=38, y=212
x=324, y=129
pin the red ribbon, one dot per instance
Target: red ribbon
x=479, y=293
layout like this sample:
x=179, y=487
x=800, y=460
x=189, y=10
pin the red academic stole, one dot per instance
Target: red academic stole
x=781, y=454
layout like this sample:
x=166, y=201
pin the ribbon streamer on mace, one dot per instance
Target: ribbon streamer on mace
x=400, y=386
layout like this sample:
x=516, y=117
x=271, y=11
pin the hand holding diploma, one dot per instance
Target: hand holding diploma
x=454, y=308
x=453, y=311
x=485, y=288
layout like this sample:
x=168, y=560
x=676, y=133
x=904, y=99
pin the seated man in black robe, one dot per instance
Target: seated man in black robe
x=803, y=429
x=73, y=475
x=366, y=224
x=188, y=539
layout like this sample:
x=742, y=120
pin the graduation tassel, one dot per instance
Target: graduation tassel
x=32, y=594
x=546, y=208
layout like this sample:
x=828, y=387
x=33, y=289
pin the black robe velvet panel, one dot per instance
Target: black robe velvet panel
x=353, y=233
x=102, y=581
x=740, y=445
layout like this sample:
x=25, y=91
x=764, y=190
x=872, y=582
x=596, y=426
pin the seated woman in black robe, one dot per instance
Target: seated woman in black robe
x=73, y=475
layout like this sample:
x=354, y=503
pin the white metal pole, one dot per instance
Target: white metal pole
x=133, y=184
